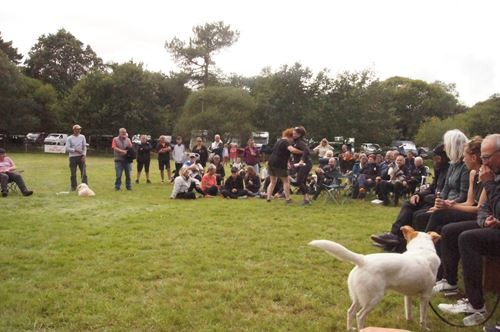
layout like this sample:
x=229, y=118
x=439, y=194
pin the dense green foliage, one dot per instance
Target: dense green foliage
x=103, y=98
x=196, y=57
x=482, y=119
x=140, y=261
x=61, y=60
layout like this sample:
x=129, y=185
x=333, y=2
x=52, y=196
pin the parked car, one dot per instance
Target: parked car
x=136, y=139
x=424, y=152
x=55, y=139
x=370, y=148
x=36, y=138
x=404, y=146
x=16, y=139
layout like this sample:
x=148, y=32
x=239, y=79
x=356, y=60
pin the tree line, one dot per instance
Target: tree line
x=62, y=82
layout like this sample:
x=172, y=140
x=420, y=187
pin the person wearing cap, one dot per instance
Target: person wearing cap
x=76, y=146
x=233, y=186
x=418, y=203
x=8, y=174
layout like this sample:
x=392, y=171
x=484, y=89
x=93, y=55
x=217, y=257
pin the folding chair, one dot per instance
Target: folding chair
x=337, y=192
x=12, y=186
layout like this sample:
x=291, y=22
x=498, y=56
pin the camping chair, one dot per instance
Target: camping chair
x=338, y=191
x=12, y=186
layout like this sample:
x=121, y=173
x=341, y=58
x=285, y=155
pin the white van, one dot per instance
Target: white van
x=56, y=139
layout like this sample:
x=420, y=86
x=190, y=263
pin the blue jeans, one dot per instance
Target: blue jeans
x=121, y=166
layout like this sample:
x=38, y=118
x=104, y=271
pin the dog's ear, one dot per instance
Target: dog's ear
x=409, y=233
x=435, y=237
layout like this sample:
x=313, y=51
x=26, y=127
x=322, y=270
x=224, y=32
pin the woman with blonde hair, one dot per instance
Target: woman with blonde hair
x=323, y=148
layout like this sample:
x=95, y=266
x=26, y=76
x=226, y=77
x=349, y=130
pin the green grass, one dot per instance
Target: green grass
x=140, y=261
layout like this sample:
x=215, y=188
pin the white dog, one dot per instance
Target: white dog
x=84, y=190
x=412, y=273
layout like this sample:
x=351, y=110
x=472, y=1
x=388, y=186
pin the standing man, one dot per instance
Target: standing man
x=120, y=145
x=178, y=154
x=76, y=145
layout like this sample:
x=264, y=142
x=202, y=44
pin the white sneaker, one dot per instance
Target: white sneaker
x=461, y=307
x=444, y=287
x=474, y=319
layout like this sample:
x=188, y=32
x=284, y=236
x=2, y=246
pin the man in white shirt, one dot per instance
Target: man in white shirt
x=76, y=145
x=178, y=154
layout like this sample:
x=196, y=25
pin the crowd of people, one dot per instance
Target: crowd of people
x=462, y=203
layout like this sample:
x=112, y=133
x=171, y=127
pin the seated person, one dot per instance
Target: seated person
x=196, y=170
x=252, y=182
x=418, y=174
x=209, y=185
x=220, y=173
x=8, y=174
x=470, y=240
x=183, y=185
x=233, y=186
x=369, y=171
x=397, y=183
x=327, y=175
x=385, y=164
x=410, y=161
x=324, y=160
x=346, y=162
x=418, y=204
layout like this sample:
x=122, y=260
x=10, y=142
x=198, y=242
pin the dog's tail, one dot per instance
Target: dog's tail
x=339, y=251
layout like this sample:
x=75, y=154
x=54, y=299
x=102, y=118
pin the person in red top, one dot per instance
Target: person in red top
x=209, y=182
x=251, y=155
x=233, y=153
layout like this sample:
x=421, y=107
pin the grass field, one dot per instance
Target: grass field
x=140, y=261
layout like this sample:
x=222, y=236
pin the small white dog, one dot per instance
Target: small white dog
x=84, y=190
x=412, y=273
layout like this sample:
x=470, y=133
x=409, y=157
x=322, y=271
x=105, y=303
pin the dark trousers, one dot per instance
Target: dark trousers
x=440, y=218
x=212, y=191
x=450, y=255
x=143, y=164
x=302, y=174
x=386, y=187
x=186, y=195
x=406, y=215
x=472, y=245
x=230, y=194
x=7, y=177
x=75, y=162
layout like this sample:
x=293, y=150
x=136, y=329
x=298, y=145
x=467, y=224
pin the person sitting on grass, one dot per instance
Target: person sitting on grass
x=183, y=185
x=277, y=191
x=8, y=174
x=252, y=182
x=209, y=182
x=233, y=186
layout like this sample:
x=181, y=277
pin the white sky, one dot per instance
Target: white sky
x=452, y=41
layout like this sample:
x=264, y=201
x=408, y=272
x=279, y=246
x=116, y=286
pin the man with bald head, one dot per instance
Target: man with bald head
x=476, y=238
x=120, y=145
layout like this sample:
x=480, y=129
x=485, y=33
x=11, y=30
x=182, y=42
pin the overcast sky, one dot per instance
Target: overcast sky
x=451, y=41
